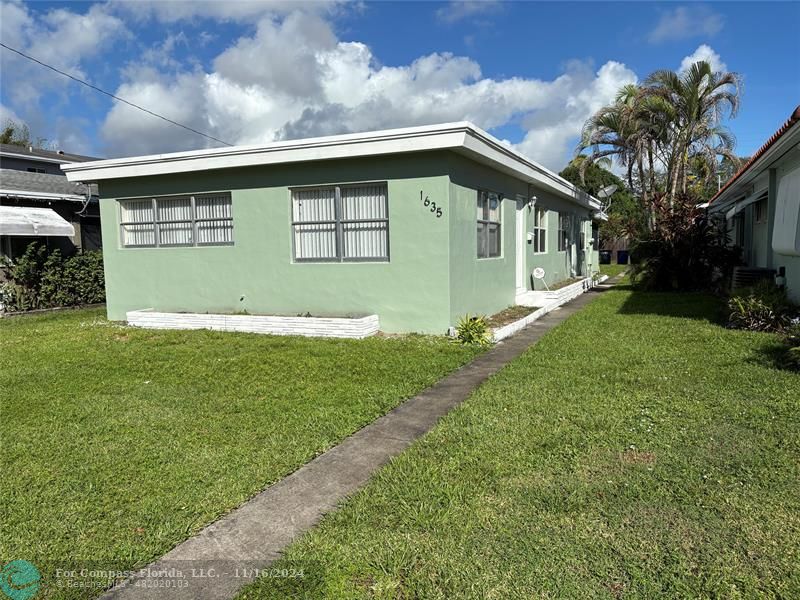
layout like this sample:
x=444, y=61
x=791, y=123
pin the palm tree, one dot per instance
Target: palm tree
x=701, y=98
x=671, y=121
x=609, y=134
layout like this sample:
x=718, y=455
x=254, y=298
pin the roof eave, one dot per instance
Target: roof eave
x=41, y=195
x=462, y=137
x=778, y=144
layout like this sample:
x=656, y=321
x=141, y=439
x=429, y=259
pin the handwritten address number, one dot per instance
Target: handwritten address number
x=437, y=210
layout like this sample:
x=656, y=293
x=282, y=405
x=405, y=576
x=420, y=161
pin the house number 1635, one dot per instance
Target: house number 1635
x=437, y=210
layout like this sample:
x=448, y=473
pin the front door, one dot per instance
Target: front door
x=522, y=239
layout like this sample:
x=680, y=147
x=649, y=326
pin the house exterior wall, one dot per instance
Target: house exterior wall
x=757, y=236
x=23, y=164
x=257, y=273
x=480, y=285
x=556, y=263
x=790, y=263
x=433, y=276
x=488, y=285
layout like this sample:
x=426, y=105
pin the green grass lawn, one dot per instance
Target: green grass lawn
x=612, y=270
x=639, y=450
x=119, y=443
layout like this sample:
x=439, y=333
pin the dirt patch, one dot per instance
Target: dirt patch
x=565, y=283
x=617, y=588
x=509, y=315
x=631, y=457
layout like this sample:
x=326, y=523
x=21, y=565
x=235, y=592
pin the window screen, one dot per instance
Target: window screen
x=489, y=225
x=341, y=223
x=201, y=220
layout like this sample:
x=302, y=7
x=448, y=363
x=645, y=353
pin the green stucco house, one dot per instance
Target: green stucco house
x=418, y=226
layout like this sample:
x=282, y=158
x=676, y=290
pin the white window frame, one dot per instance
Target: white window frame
x=761, y=211
x=563, y=232
x=339, y=222
x=539, y=230
x=487, y=222
x=155, y=222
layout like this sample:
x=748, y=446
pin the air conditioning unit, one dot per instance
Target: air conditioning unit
x=744, y=277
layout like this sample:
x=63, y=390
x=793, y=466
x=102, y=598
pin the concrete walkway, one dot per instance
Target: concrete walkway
x=227, y=554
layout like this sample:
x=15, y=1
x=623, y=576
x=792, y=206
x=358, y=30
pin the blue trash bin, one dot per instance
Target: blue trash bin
x=622, y=257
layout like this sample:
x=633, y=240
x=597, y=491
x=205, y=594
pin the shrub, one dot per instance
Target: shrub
x=763, y=307
x=39, y=280
x=682, y=250
x=791, y=340
x=473, y=331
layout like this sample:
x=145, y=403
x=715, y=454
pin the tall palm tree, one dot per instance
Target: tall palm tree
x=701, y=98
x=666, y=124
x=609, y=134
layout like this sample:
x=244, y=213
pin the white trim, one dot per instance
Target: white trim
x=357, y=328
x=740, y=205
x=542, y=226
x=42, y=195
x=521, y=242
x=462, y=137
x=549, y=301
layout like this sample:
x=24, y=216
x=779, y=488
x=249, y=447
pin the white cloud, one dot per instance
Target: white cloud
x=290, y=77
x=7, y=114
x=685, y=22
x=553, y=131
x=59, y=37
x=320, y=85
x=243, y=11
x=706, y=53
x=458, y=10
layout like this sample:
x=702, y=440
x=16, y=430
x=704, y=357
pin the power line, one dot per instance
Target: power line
x=81, y=81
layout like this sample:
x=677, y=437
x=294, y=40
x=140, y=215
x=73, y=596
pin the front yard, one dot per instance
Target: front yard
x=639, y=450
x=119, y=443
x=613, y=270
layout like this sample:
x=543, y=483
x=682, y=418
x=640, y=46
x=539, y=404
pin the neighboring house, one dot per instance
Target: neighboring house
x=761, y=205
x=418, y=226
x=38, y=203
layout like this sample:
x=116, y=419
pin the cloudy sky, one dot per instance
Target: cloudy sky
x=250, y=72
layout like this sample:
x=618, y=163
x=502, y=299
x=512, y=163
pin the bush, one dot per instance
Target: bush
x=763, y=307
x=683, y=249
x=791, y=341
x=39, y=280
x=473, y=331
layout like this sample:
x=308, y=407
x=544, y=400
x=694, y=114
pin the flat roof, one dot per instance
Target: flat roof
x=463, y=138
x=42, y=155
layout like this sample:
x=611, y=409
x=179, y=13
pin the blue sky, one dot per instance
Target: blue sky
x=530, y=72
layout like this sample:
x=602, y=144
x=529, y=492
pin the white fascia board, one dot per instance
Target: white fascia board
x=41, y=195
x=462, y=137
x=325, y=148
x=787, y=141
x=485, y=148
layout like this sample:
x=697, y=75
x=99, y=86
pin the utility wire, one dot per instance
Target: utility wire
x=81, y=81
